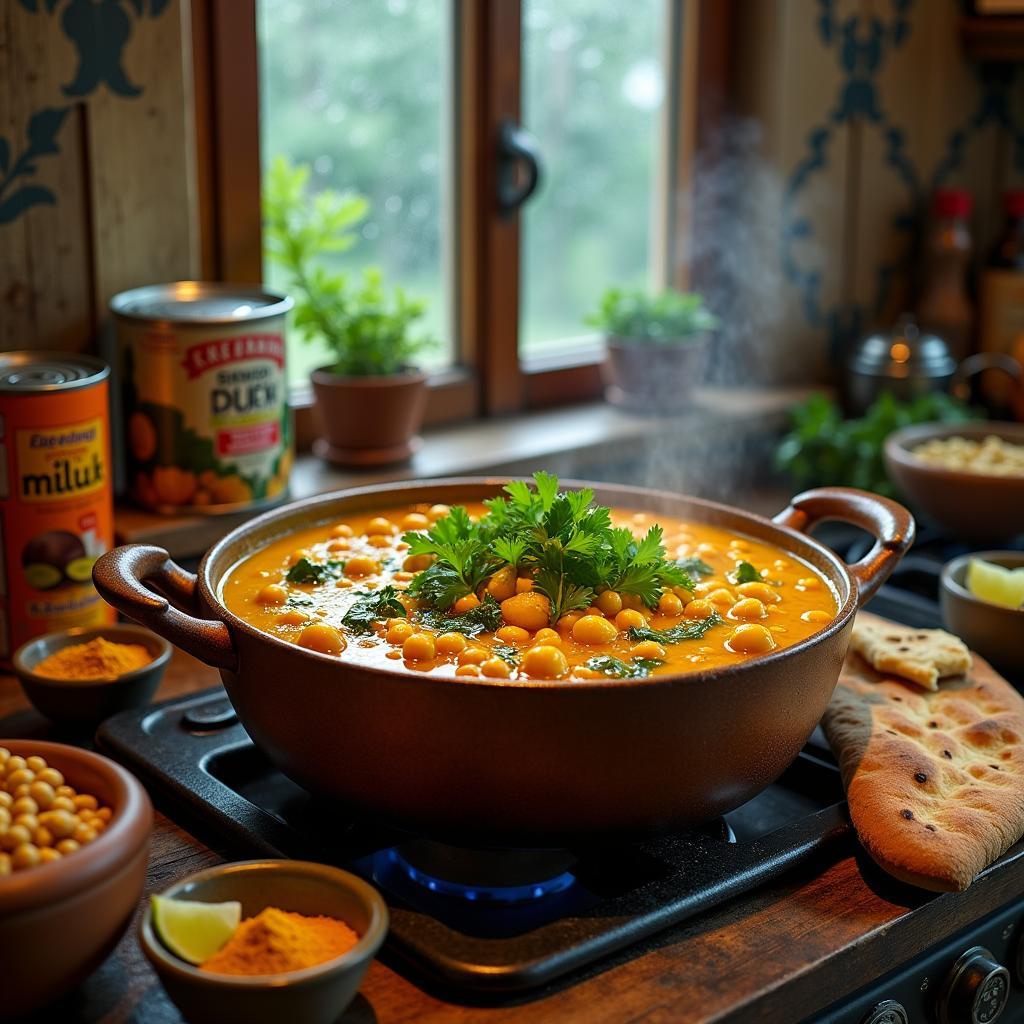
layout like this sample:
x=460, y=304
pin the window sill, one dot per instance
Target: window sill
x=557, y=439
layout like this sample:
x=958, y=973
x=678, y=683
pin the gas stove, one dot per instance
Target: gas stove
x=487, y=925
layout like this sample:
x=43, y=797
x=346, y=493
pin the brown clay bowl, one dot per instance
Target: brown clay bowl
x=971, y=506
x=518, y=762
x=316, y=995
x=86, y=702
x=992, y=630
x=58, y=922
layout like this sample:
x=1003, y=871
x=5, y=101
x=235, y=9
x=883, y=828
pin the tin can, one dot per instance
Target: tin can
x=56, y=494
x=204, y=396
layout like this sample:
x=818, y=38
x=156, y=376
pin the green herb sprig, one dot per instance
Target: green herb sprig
x=745, y=573
x=484, y=618
x=371, y=608
x=693, y=629
x=305, y=571
x=616, y=668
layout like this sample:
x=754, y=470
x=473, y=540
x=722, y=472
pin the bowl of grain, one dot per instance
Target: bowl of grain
x=81, y=676
x=967, y=478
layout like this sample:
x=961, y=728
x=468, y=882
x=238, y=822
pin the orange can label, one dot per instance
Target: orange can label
x=57, y=510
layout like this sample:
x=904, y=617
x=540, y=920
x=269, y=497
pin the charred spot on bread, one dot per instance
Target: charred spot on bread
x=907, y=813
x=931, y=828
x=920, y=777
x=946, y=753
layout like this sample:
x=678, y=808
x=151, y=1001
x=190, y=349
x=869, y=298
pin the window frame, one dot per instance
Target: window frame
x=490, y=378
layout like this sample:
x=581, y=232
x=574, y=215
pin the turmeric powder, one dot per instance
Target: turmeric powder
x=275, y=941
x=96, y=659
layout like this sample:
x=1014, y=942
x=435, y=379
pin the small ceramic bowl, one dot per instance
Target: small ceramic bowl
x=59, y=921
x=87, y=702
x=990, y=629
x=971, y=506
x=316, y=995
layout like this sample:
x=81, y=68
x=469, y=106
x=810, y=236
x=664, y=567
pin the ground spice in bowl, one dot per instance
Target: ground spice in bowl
x=96, y=659
x=276, y=941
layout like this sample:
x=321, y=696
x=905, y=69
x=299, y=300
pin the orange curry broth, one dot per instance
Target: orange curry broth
x=798, y=603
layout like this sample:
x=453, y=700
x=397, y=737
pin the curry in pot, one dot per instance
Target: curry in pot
x=537, y=584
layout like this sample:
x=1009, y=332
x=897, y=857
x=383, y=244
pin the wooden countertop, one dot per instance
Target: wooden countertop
x=776, y=956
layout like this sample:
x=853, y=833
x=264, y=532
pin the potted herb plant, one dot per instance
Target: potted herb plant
x=656, y=346
x=371, y=396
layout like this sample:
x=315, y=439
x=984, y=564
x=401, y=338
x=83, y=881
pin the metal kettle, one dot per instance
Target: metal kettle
x=904, y=362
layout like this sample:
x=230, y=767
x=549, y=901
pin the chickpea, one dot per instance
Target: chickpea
x=66, y=846
x=29, y=821
x=764, y=593
x=415, y=521
x=25, y=856
x=647, y=649
x=342, y=530
x=669, y=604
x=47, y=855
x=378, y=540
x=437, y=511
x=14, y=763
x=4, y=754
x=568, y=620
x=62, y=803
x=502, y=584
x=65, y=791
x=273, y=593
x=5, y=798
x=582, y=672
x=473, y=656
x=545, y=662
x=632, y=601
x=468, y=670
x=14, y=837
x=343, y=583
x=380, y=524
x=593, y=630
x=44, y=795
x=750, y=638
x=298, y=555
x=5, y=819
x=419, y=647
x=84, y=834
x=699, y=609
x=42, y=837
x=292, y=617
x=547, y=636
x=749, y=608
x=341, y=544
x=21, y=777
x=722, y=597
x=513, y=635
x=322, y=638
x=35, y=763
x=5, y=864
x=400, y=632
x=685, y=596
x=417, y=563
x=495, y=668
x=451, y=643
x=610, y=602
x=629, y=618
x=816, y=616
x=20, y=791
x=529, y=611
x=361, y=565
x=393, y=655
x=105, y=813
x=808, y=583
x=24, y=805
x=465, y=604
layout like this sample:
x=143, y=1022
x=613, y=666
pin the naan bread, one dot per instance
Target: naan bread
x=921, y=655
x=934, y=780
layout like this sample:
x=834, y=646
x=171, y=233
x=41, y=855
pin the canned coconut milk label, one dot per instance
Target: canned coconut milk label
x=204, y=396
x=56, y=505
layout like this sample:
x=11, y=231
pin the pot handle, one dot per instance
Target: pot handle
x=888, y=522
x=134, y=579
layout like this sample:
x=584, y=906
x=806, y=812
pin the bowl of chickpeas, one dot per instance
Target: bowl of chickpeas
x=967, y=478
x=74, y=843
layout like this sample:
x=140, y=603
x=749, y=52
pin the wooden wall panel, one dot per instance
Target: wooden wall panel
x=118, y=167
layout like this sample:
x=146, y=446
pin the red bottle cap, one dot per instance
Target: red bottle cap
x=952, y=202
x=1013, y=203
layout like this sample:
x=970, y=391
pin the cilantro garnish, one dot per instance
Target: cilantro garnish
x=616, y=668
x=507, y=654
x=565, y=542
x=372, y=607
x=692, y=629
x=484, y=618
x=746, y=573
x=305, y=571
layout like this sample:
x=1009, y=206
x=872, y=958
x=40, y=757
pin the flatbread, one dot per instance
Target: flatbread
x=921, y=655
x=934, y=780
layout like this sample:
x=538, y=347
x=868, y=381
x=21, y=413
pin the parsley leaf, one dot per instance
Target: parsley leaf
x=484, y=618
x=694, y=566
x=746, y=573
x=305, y=571
x=372, y=607
x=616, y=668
x=508, y=654
x=693, y=629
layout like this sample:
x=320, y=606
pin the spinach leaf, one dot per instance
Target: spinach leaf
x=616, y=668
x=484, y=618
x=305, y=571
x=746, y=573
x=693, y=629
x=372, y=607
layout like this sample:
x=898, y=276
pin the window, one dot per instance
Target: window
x=404, y=100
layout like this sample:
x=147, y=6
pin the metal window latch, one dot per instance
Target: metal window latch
x=519, y=167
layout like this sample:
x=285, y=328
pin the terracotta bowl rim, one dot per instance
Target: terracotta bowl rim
x=129, y=830
x=844, y=613
x=949, y=578
x=900, y=443
x=152, y=640
x=365, y=949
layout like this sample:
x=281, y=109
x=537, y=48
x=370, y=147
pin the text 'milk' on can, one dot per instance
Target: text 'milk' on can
x=204, y=395
x=56, y=493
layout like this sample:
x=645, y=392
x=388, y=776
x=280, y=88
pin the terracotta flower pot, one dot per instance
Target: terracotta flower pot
x=653, y=376
x=369, y=421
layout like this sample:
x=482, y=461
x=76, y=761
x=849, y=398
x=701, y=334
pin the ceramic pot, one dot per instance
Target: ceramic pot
x=653, y=376
x=520, y=762
x=369, y=421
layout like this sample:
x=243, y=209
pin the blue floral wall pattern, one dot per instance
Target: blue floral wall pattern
x=99, y=31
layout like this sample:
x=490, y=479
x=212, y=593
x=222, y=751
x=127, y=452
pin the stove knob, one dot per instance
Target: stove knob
x=887, y=1012
x=975, y=991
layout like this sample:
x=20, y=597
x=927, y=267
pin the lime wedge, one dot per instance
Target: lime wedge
x=996, y=583
x=193, y=930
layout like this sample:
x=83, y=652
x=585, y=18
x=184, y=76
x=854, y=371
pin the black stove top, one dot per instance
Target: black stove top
x=496, y=922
